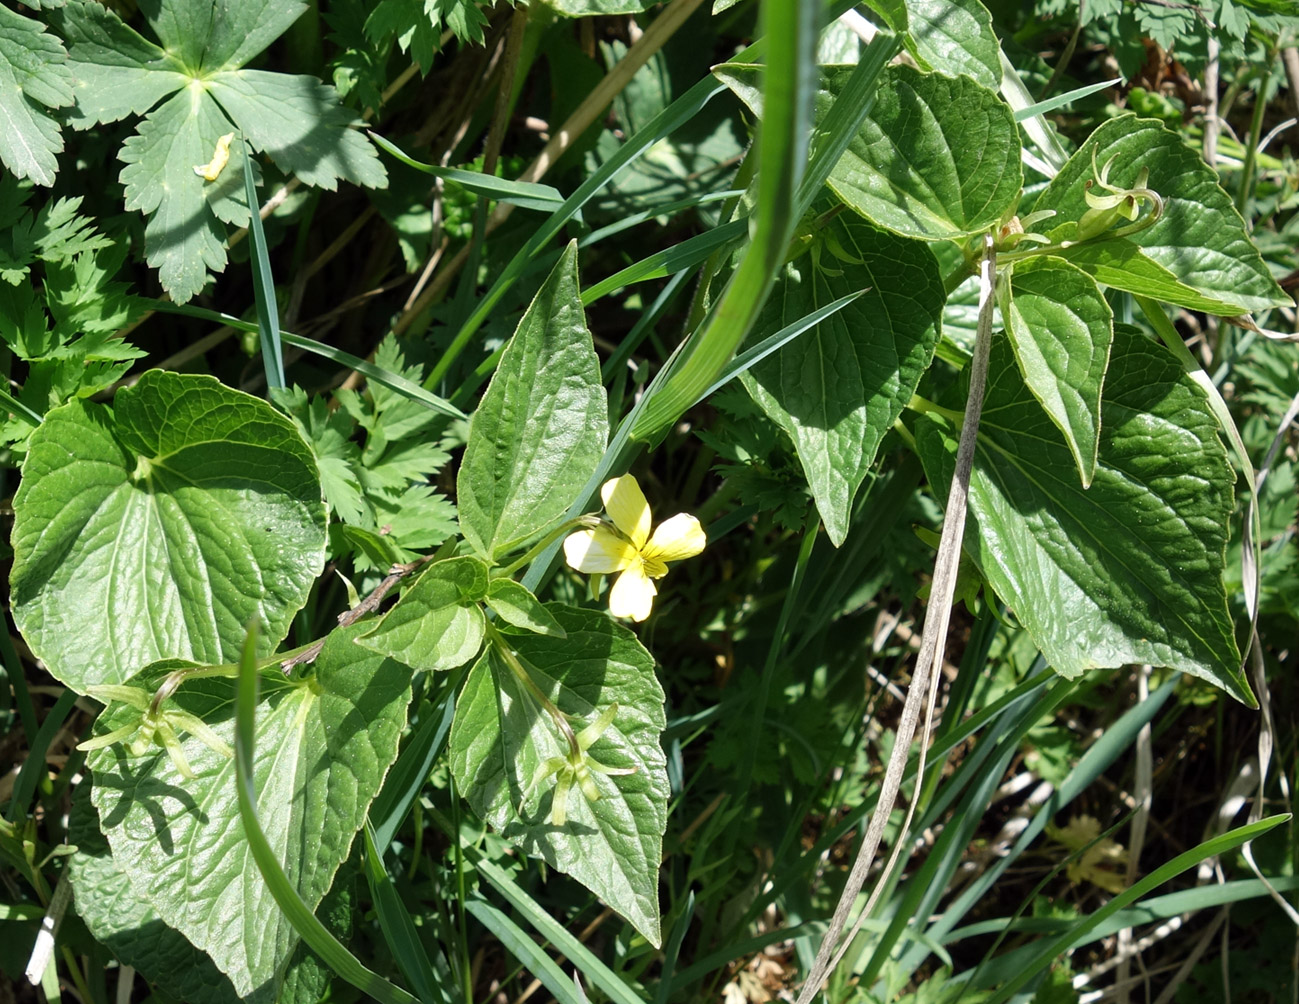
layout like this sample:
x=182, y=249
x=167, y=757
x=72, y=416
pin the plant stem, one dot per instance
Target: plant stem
x=928, y=662
x=524, y=677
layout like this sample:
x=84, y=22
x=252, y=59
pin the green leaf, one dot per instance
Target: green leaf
x=124, y=922
x=938, y=157
x=323, y=746
x=1060, y=328
x=116, y=71
x=34, y=76
x=1120, y=264
x=437, y=623
x=184, y=238
x=1129, y=570
x=1200, y=239
x=515, y=605
x=501, y=737
x=296, y=120
x=542, y=425
x=159, y=527
x=955, y=37
x=838, y=388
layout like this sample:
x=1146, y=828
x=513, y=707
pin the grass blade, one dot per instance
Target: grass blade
x=524, y=194
x=392, y=381
x=1188, y=859
x=523, y=948
x=398, y=931
x=268, y=311
x=789, y=85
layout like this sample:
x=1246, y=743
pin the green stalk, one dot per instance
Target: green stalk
x=1246, y=187
x=329, y=949
x=788, y=88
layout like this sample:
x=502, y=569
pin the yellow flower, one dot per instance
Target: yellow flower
x=628, y=548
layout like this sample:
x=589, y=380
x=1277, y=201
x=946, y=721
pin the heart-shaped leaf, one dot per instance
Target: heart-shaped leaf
x=501, y=738
x=323, y=746
x=159, y=527
x=937, y=158
x=1131, y=569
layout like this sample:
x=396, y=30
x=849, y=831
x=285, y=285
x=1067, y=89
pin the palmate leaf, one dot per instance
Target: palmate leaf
x=205, y=93
x=34, y=76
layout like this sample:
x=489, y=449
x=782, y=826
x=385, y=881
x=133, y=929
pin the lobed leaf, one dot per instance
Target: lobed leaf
x=34, y=76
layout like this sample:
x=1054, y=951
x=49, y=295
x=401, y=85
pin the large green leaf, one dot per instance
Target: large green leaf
x=323, y=747
x=296, y=121
x=955, y=37
x=542, y=425
x=160, y=527
x=1060, y=328
x=1121, y=264
x=1200, y=239
x=501, y=736
x=1129, y=570
x=938, y=157
x=34, y=77
x=123, y=920
x=838, y=388
x=438, y=623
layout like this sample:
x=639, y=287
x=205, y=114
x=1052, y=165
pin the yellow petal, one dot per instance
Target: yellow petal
x=632, y=594
x=625, y=503
x=597, y=551
x=676, y=538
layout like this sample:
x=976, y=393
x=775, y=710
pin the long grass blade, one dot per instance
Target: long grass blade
x=329, y=949
x=393, y=381
x=398, y=930
x=268, y=311
x=523, y=948
x=524, y=194
x=789, y=85
x=1052, y=950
